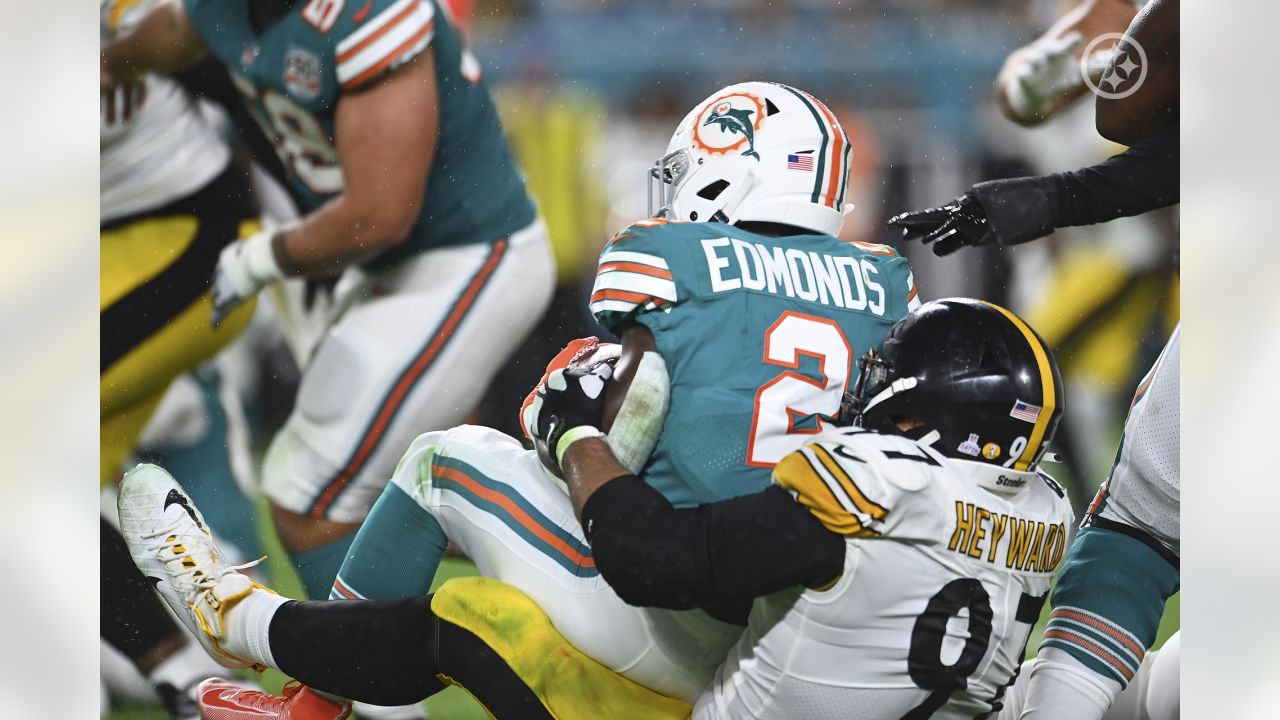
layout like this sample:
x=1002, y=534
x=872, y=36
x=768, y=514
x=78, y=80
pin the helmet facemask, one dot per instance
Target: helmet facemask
x=698, y=190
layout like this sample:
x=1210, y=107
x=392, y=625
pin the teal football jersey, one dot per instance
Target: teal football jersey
x=760, y=336
x=295, y=72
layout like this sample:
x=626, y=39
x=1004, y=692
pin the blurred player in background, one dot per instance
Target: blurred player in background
x=1041, y=79
x=171, y=199
x=380, y=115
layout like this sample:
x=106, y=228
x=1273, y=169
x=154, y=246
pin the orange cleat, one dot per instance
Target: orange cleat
x=222, y=700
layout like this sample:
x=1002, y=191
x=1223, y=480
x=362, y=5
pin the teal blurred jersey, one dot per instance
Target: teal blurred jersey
x=294, y=74
x=760, y=336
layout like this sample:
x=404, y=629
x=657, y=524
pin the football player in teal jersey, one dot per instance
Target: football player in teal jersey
x=394, y=149
x=740, y=284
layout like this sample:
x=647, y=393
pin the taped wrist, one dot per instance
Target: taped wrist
x=260, y=258
x=571, y=436
x=1018, y=209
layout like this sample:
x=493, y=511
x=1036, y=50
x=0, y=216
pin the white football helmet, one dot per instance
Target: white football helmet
x=755, y=151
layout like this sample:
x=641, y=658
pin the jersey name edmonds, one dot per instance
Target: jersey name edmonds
x=1032, y=546
x=834, y=280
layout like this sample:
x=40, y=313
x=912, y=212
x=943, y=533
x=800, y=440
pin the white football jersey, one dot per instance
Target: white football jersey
x=166, y=150
x=947, y=566
x=1144, y=489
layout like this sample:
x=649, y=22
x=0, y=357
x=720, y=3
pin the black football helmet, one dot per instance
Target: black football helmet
x=981, y=384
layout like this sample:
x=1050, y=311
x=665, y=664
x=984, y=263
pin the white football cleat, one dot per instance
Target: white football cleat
x=171, y=545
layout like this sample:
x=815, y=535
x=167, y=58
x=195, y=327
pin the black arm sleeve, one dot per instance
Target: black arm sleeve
x=1140, y=179
x=654, y=555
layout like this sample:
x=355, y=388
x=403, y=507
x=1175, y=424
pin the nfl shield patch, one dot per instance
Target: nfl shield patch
x=302, y=73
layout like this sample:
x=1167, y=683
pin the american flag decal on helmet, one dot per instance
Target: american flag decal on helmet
x=800, y=162
x=1025, y=411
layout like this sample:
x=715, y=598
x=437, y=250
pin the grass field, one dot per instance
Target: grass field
x=456, y=704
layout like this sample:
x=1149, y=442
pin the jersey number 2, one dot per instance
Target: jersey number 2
x=791, y=395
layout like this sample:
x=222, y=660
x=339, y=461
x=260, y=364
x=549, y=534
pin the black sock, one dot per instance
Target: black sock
x=375, y=651
x=132, y=618
x=389, y=652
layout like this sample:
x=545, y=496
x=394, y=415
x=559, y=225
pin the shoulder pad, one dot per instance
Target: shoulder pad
x=633, y=274
x=853, y=480
x=373, y=37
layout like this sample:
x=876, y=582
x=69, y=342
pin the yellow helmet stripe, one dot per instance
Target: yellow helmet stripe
x=1048, y=400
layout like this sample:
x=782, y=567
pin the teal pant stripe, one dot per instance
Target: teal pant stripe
x=503, y=502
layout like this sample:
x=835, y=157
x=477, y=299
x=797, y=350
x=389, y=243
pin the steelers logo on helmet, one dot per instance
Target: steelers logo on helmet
x=729, y=123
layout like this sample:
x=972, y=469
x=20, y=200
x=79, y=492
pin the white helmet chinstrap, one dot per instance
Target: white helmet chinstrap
x=755, y=151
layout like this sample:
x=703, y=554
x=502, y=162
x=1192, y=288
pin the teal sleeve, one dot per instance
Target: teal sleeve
x=1108, y=602
x=638, y=273
x=395, y=553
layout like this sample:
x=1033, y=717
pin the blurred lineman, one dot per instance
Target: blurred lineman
x=741, y=258
x=379, y=112
x=171, y=199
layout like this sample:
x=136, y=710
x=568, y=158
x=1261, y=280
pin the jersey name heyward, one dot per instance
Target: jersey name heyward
x=834, y=280
x=1022, y=544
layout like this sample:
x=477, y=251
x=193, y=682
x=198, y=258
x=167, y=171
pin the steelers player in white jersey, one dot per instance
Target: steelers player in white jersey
x=899, y=564
x=1122, y=568
x=170, y=200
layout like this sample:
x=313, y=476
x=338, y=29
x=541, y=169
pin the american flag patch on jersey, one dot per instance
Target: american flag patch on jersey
x=1025, y=411
x=800, y=162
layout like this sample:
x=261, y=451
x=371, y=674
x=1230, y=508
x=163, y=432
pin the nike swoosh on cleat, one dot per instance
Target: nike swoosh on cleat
x=177, y=498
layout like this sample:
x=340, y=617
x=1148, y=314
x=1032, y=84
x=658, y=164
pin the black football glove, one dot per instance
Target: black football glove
x=571, y=407
x=999, y=212
x=961, y=222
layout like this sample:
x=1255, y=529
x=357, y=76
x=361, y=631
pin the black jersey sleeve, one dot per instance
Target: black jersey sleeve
x=655, y=555
x=1138, y=180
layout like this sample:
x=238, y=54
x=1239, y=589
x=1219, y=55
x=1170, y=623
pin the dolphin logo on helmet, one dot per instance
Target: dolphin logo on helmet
x=734, y=121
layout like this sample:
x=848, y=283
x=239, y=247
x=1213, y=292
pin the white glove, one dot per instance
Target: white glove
x=244, y=268
x=1047, y=69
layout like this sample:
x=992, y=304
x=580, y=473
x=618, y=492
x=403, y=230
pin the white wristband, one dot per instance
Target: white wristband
x=260, y=257
x=582, y=432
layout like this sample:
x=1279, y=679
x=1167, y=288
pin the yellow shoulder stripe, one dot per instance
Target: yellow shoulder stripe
x=797, y=474
x=859, y=498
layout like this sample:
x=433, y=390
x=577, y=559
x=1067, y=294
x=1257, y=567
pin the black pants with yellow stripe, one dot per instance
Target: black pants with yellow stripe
x=480, y=634
x=154, y=306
